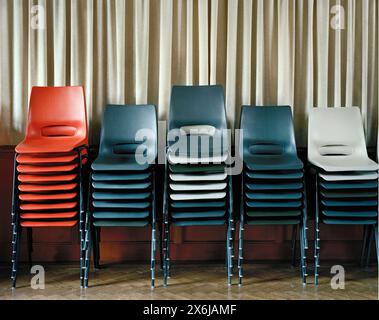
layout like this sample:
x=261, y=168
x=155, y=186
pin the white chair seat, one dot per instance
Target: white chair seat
x=173, y=159
x=197, y=196
x=346, y=163
x=197, y=187
x=202, y=177
x=349, y=177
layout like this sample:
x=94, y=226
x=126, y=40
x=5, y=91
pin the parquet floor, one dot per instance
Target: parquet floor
x=200, y=281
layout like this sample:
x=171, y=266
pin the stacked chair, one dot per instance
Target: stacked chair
x=198, y=190
x=49, y=167
x=273, y=187
x=122, y=181
x=346, y=179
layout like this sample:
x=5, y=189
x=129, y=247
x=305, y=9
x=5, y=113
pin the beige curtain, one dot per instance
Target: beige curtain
x=264, y=52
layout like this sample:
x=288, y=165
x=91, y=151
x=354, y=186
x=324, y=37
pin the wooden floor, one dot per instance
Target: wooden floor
x=200, y=281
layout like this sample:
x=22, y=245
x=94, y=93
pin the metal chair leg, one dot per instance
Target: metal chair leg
x=305, y=211
x=153, y=253
x=16, y=227
x=303, y=265
x=317, y=237
x=16, y=238
x=168, y=251
x=376, y=237
x=370, y=239
x=240, y=249
x=364, y=245
x=87, y=254
x=30, y=246
x=293, y=245
x=160, y=243
x=95, y=246
x=229, y=254
x=165, y=250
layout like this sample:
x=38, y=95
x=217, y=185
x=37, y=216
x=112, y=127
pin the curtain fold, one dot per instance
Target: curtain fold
x=264, y=52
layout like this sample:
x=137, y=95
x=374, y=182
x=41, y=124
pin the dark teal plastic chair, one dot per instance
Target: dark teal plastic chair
x=200, y=201
x=273, y=188
x=122, y=187
x=346, y=203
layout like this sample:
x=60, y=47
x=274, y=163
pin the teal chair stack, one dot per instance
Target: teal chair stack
x=122, y=181
x=273, y=187
x=198, y=191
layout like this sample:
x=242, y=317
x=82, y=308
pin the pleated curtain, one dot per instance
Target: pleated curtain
x=264, y=52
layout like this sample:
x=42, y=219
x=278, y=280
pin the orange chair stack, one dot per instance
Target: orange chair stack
x=49, y=166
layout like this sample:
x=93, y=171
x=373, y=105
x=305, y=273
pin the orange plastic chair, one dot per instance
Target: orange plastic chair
x=56, y=122
x=49, y=167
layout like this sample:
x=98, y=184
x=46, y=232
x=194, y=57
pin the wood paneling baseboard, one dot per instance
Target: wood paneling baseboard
x=188, y=244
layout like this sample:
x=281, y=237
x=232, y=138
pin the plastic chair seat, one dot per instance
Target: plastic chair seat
x=348, y=214
x=197, y=187
x=121, y=223
x=118, y=204
x=47, y=197
x=48, y=216
x=194, y=223
x=349, y=185
x=120, y=195
x=279, y=176
x=197, y=204
x=352, y=194
x=274, y=196
x=104, y=215
x=350, y=222
x=174, y=159
x=344, y=163
x=199, y=177
x=119, y=163
x=197, y=196
x=46, y=169
x=349, y=177
x=45, y=145
x=122, y=176
x=204, y=169
x=46, y=188
x=344, y=203
x=261, y=222
x=197, y=214
x=48, y=224
x=271, y=204
x=273, y=213
x=30, y=178
x=31, y=159
x=275, y=186
x=48, y=206
x=286, y=162
x=123, y=186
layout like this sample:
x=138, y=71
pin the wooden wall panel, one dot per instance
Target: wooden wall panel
x=188, y=244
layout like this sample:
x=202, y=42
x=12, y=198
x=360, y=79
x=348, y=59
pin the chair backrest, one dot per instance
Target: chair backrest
x=120, y=126
x=57, y=111
x=267, y=131
x=197, y=105
x=336, y=132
